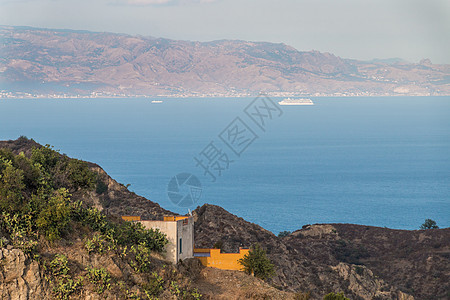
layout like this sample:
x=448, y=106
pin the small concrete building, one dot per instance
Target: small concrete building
x=180, y=233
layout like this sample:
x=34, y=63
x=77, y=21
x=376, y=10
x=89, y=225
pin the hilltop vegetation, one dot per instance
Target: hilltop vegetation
x=39, y=218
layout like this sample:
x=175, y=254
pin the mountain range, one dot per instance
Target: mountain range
x=51, y=62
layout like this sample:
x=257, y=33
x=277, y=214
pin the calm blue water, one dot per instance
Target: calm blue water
x=373, y=161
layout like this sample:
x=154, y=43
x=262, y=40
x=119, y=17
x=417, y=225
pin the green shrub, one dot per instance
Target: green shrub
x=257, y=263
x=333, y=296
x=196, y=295
x=142, y=258
x=45, y=156
x=101, y=187
x=11, y=187
x=154, y=287
x=153, y=239
x=59, y=266
x=24, y=242
x=429, y=224
x=60, y=271
x=122, y=234
x=100, y=278
x=66, y=287
x=181, y=293
x=20, y=229
x=3, y=242
x=175, y=289
x=15, y=223
x=99, y=244
x=89, y=216
x=5, y=155
x=54, y=218
x=32, y=173
x=79, y=174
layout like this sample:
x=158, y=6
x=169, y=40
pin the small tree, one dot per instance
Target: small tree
x=333, y=296
x=429, y=224
x=257, y=263
x=54, y=218
x=11, y=187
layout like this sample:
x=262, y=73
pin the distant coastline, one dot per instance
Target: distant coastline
x=108, y=65
x=23, y=95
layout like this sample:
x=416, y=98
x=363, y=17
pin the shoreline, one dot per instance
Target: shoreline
x=207, y=96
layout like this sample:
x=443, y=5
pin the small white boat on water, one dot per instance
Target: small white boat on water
x=301, y=101
x=157, y=101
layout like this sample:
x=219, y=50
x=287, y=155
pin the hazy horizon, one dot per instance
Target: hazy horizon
x=408, y=29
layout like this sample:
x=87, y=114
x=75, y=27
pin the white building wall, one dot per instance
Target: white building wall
x=176, y=230
x=185, y=232
x=170, y=229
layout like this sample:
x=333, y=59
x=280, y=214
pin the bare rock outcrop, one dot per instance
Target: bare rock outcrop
x=20, y=277
x=362, y=282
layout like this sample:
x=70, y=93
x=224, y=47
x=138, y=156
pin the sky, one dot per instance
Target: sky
x=360, y=29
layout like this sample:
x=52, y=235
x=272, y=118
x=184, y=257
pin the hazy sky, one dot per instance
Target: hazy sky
x=362, y=29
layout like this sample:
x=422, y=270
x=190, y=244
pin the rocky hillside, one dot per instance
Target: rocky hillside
x=364, y=262
x=47, y=61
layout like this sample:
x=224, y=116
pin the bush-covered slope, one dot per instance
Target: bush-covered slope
x=56, y=242
x=73, y=248
x=104, y=192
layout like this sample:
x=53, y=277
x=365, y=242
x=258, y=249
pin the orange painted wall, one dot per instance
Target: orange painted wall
x=131, y=218
x=174, y=218
x=224, y=261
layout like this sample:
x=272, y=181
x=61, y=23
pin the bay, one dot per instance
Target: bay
x=381, y=161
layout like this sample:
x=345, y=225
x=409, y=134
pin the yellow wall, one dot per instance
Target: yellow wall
x=131, y=218
x=224, y=261
x=174, y=218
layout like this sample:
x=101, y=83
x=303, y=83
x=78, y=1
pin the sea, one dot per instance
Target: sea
x=379, y=161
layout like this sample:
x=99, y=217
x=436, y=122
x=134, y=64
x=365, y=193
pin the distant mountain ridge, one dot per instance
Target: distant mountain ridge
x=48, y=61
